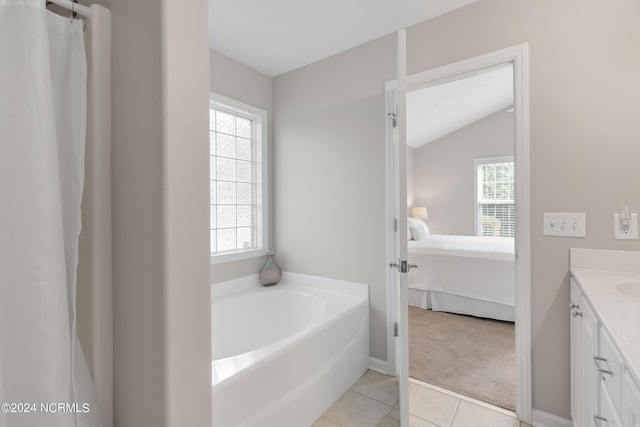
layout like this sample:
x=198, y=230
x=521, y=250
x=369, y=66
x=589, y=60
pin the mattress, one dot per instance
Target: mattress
x=464, y=274
x=496, y=248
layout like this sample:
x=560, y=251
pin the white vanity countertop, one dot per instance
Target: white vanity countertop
x=610, y=281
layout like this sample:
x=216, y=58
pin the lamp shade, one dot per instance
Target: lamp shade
x=419, y=212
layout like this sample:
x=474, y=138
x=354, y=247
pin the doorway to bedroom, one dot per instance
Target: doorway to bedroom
x=468, y=226
x=460, y=198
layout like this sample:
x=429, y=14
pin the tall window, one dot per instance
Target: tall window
x=237, y=160
x=495, y=197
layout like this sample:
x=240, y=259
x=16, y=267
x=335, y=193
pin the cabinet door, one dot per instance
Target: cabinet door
x=608, y=416
x=576, y=340
x=589, y=374
x=611, y=362
x=630, y=402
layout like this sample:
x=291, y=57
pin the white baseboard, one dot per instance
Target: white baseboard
x=378, y=365
x=544, y=419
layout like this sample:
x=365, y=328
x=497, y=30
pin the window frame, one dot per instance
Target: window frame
x=260, y=118
x=477, y=191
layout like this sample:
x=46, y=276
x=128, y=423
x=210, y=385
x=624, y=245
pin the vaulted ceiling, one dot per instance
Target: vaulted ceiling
x=276, y=36
x=437, y=111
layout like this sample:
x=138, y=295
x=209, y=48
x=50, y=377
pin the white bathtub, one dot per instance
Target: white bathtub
x=283, y=354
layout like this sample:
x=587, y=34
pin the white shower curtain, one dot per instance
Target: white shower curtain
x=44, y=379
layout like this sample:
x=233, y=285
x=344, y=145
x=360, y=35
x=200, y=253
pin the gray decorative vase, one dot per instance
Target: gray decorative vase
x=270, y=274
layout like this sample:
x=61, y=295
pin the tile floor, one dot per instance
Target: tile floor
x=373, y=402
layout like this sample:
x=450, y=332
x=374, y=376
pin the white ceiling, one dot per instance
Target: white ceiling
x=437, y=111
x=276, y=36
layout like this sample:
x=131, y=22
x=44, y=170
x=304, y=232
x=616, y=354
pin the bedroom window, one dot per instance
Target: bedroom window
x=238, y=183
x=495, y=197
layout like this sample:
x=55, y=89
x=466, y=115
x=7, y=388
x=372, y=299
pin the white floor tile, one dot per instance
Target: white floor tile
x=356, y=410
x=419, y=422
x=462, y=397
x=323, y=422
x=470, y=415
x=432, y=406
x=373, y=402
x=388, y=421
x=380, y=387
x=395, y=413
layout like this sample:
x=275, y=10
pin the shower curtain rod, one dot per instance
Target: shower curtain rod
x=75, y=7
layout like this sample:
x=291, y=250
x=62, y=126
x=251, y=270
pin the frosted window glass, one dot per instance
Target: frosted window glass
x=243, y=127
x=245, y=238
x=226, y=169
x=245, y=171
x=226, y=240
x=226, y=146
x=245, y=215
x=212, y=143
x=212, y=192
x=226, y=216
x=212, y=119
x=226, y=193
x=225, y=123
x=212, y=215
x=244, y=149
x=235, y=218
x=245, y=194
x=212, y=167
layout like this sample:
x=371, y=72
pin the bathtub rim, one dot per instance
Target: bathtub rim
x=250, y=282
x=316, y=394
x=358, y=293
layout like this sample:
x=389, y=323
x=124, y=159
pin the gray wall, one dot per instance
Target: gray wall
x=329, y=177
x=584, y=138
x=234, y=80
x=329, y=151
x=443, y=174
x=329, y=184
x=162, y=337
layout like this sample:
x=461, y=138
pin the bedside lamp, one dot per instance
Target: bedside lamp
x=419, y=212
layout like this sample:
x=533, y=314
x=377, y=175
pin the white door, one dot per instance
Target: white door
x=397, y=291
x=576, y=353
x=398, y=355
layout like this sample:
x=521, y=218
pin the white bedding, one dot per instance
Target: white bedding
x=498, y=248
x=464, y=274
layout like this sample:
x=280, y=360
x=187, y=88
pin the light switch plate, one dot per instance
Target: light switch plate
x=564, y=224
x=633, y=229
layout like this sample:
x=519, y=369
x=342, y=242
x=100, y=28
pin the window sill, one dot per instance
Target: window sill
x=237, y=256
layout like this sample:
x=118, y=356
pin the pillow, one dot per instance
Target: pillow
x=409, y=236
x=419, y=230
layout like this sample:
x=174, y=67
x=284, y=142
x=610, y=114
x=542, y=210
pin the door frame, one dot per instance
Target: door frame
x=519, y=56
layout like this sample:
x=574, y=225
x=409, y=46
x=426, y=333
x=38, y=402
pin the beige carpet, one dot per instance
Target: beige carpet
x=468, y=355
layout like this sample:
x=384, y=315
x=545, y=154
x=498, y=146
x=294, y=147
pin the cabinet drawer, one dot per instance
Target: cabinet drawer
x=630, y=401
x=609, y=364
x=608, y=413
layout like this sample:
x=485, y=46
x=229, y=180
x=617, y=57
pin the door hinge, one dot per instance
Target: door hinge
x=395, y=225
x=395, y=329
x=394, y=122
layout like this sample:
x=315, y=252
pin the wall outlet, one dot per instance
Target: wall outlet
x=564, y=224
x=619, y=234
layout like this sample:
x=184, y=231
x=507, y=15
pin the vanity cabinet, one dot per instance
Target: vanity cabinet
x=605, y=338
x=630, y=401
x=609, y=364
x=604, y=392
x=584, y=345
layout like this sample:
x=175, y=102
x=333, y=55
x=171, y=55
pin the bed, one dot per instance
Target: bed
x=463, y=274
